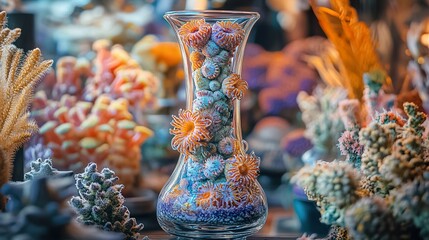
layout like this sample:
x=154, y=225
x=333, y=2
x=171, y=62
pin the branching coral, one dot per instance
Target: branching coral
x=19, y=75
x=320, y=115
x=393, y=184
x=43, y=168
x=36, y=211
x=100, y=202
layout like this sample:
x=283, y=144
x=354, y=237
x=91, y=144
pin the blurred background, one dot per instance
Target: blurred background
x=78, y=34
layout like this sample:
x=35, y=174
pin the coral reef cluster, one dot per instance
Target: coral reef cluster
x=386, y=195
x=19, y=74
x=218, y=181
x=120, y=76
x=36, y=208
x=100, y=202
x=103, y=132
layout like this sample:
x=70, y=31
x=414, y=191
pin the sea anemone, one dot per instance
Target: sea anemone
x=195, y=170
x=227, y=146
x=222, y=59
x=242, y=169
x=214, y=116
x=207, y=195
x=202, y=103
x=214, y=166
x=210, y=69
x=197, y=59
x=228, y=196
x=195, y=33
x=249, y=194
x=189, y=130
x=234, y=87
x=227, y=35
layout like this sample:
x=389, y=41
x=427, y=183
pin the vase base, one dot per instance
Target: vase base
x=198, y=231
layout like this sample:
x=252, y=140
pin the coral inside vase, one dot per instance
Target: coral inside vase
x=217, y=182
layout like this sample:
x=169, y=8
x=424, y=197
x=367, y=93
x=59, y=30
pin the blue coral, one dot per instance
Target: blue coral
x=210, y=49
x=210, y=69
x=214, y=166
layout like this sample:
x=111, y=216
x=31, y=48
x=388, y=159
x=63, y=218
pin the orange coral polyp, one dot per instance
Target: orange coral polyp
x=234, y=87
x=195, y=33
x=197, y=60
x=207, y=195
x=244, y=169
x=189, y=130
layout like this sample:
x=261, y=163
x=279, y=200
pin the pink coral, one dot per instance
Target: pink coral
x=227, y=35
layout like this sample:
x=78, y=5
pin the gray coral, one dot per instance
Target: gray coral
x=100, y=202
x=43, y=168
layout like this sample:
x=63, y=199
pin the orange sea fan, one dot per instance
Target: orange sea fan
x=234, y=87
x=227, y=35
x=189, y=130
x=243, y=169
x=195, y=33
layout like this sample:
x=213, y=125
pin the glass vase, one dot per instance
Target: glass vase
x=213, y=192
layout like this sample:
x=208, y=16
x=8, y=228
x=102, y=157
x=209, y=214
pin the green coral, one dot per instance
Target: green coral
x=415, y=118
x=100, y=202
x=370, y=218
x=390, y=197
x=377, y=143
x=333, y=185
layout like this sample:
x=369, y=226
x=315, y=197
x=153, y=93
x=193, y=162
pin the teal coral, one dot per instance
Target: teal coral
x=100, y=202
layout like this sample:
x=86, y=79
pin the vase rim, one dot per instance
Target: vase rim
x=214, y=13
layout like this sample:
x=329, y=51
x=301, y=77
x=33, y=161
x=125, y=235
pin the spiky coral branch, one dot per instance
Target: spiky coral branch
x=18, y=77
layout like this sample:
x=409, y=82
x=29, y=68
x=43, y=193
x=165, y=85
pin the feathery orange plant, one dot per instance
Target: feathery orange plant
x=18, y=77
x=352, y=39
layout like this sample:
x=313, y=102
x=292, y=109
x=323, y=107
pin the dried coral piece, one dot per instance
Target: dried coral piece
x=195, y=33
x=19, y=76
x=227, y=35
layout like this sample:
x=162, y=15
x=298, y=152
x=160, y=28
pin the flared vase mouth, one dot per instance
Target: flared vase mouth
x=215, y=14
